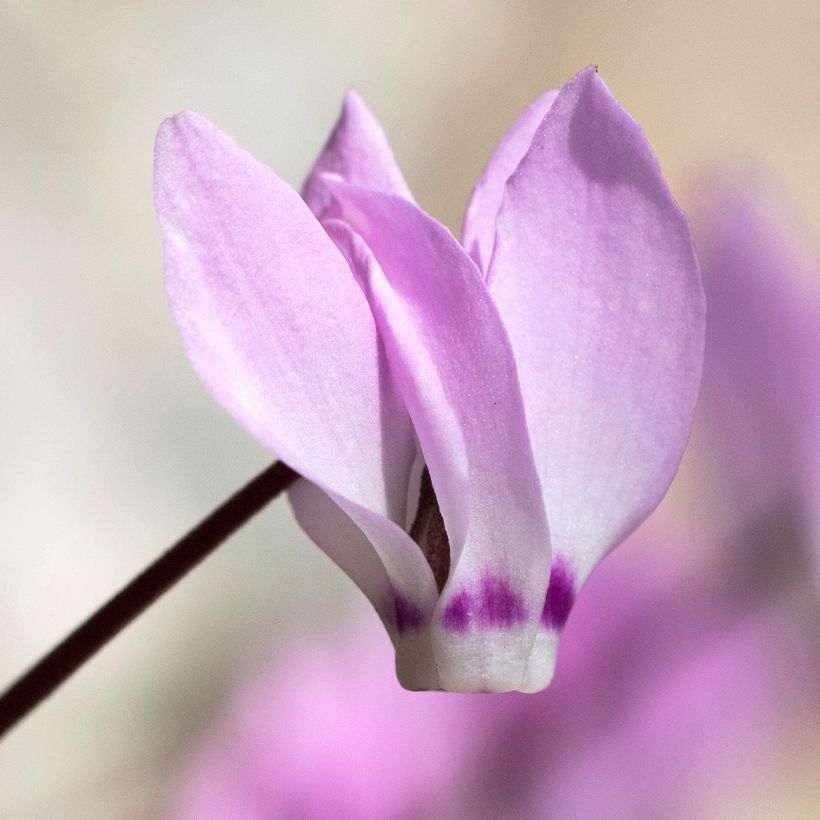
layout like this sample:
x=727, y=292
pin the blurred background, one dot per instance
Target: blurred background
x=111, y=448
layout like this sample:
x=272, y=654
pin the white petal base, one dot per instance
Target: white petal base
x=417, y=670
x=541, y=665
x=415, y=666
x=469, y=665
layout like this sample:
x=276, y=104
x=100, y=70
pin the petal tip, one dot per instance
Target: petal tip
x=588, y=82
x=165, y=132
x=353, y=101
x=173, y=130
x=355, y=114
x=186, y=117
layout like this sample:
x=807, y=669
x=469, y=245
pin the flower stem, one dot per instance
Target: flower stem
x=89, y=637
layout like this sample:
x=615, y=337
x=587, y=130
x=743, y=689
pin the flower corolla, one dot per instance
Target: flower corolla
x=477, y=424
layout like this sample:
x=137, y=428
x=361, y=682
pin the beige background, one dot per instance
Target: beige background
x=110, y=446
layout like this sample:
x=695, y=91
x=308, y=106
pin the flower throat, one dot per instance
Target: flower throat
x=429, y=533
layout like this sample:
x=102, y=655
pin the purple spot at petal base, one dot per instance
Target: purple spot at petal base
x=560, y=596
x=457, y=613
x=497, y=605
x=408, y=616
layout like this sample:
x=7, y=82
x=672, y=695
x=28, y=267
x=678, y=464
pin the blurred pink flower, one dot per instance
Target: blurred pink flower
x=445, y=404
x=681, y=683
x=759, y=421
x=661, y=693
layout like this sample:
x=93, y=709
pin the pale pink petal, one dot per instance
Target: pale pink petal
x=273, y=319
x=478, y=231
x=357, y=151
x=388, y=567
x=331, y=529
x=452, y=362
x=278, y=329
x=597, y=282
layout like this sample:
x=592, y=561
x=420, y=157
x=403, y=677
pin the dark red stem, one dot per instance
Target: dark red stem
x=88, y=638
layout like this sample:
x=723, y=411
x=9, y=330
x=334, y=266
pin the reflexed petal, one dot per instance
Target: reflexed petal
x=278, y=329
x=357, y=150
x=478, y=232
x=388, y=568
x=452, y=362
x=597, y=282
x=330, y=528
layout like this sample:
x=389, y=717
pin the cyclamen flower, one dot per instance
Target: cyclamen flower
x=476, y=428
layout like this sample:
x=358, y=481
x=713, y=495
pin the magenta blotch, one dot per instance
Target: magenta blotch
x=458, y=613
x=408, y=616
x=499, y=604
x=496, y=605
x=560, y=595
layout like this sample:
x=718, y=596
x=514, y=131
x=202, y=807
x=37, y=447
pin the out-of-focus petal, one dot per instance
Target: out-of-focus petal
x=759, y=401
x=478, y=232
x=693, y=714
x=667, y=701
x=810, y=495
x=451, y=359
x=596, y=279
x=357, y=151
x=668, y=689
x=328, y=733
x=278, y=329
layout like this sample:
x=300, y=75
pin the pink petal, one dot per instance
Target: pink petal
x=273, y=319
x=331, y=529
x=278, y=329
x=596, y=279
x=386, y=565
x=452, y=362
x=357, y=151
x=478, y=232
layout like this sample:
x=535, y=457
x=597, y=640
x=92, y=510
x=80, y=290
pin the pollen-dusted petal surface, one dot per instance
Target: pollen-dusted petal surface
x=478, y=232
x=597, y=282
x=451, y=359
x=358, y=152
x=277, y=327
